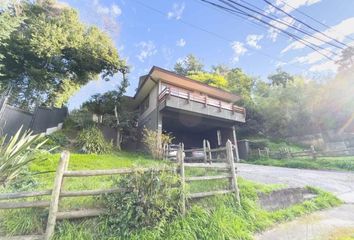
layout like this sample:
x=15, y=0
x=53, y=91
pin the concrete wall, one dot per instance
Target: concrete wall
x=152, y=103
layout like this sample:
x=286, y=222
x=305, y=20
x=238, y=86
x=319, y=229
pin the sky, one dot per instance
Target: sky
x=162, y=32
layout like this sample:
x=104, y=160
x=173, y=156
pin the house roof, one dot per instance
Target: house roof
x=157, y=73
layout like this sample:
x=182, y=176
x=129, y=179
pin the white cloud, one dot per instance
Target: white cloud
x=147, y=49
x=291, y=4
x=253, y=39
x=339, y=32
x=114, y=10
x=328, y=66
x=181, y=42
x=238, y=49
x=176, y=12
x=314, y=57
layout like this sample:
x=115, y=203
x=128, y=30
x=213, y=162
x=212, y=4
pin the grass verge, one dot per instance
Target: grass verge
x=322, y=163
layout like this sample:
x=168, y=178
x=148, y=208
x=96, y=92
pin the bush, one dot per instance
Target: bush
x=79, y=119
x=150, y=139
x=57, y=139
x=151, y=199
x=91, y=140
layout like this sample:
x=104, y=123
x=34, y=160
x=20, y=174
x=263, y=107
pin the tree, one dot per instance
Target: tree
x=211, y=79
x=241, y=84
x=113, y=105
x=188, y=65
x=346, y=61
x=280, y=78
x=51, y=54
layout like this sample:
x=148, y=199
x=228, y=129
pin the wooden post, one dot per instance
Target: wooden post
x=230, y=158
x=267, y=152
x=235, y=143
x=180, y=158
x=54, y=204
x=313, y=152
x=205, y=150
x=208, y=147
x=259, y=153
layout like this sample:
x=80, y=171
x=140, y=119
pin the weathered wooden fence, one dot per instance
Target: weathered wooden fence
x=57, y=193
x=226, y=164
x=286, y=153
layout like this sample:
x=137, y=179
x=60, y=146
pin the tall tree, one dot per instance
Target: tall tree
x=189, y=65
x=240, y=83
x=51, y=54
x=280, y=78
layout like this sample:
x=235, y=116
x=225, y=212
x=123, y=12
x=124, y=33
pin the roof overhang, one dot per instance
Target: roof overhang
x=159, y=74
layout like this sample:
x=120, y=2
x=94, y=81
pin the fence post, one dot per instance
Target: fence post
x=267, y=152
x=54, y=204
x=205, y=150
x=230, y=159
x=208, y=147
x=180, y=159
x=259, y=153
x=313, y=152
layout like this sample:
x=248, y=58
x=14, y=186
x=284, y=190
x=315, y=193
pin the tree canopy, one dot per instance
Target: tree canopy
x=189, y=65
x=51, y=54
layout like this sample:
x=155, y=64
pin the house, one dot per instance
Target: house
x=188, y=109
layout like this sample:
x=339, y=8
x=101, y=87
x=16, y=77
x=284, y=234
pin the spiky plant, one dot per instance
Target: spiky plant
x=16, y=153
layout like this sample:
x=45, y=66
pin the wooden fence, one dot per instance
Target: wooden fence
x=227, y=164
x=62, y=172
x=286, y=153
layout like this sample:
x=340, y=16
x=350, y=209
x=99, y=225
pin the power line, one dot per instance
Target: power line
x=232, y=4
x=312, y=18
x=304, y=23
x=210, y=32
x=303, y=41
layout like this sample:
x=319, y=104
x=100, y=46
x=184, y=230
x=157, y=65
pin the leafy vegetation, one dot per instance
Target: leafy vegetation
x=50, y=54
x=16, y=153
x=324, y=163
x=150, y=139
x=91, y=140
x=151, y=199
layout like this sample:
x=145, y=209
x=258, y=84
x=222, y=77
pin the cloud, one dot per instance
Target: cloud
x=339, y=32
x=147, y=49
x=114, y=10
x=328, y=66
x=313, y=57
x=291, y=5
x=181, y=42
x=253, y=39
x=176, y=12
x=287, y=6
x=238, y=49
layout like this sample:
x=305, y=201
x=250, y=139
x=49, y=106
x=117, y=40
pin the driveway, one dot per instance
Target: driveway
x=320, y=225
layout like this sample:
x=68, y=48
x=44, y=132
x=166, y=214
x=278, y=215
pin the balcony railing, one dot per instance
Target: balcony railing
x=189, y=96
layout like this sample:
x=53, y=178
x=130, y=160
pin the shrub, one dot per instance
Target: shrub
x=151, y=199
x=57, y=139
x=91, y=140
x=150, y=139
x=16, y=153
x=79, y=119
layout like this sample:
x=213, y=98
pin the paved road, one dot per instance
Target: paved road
x=316, y=226
x=339, y=183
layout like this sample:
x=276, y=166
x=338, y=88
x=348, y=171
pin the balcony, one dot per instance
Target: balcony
x=180, y=99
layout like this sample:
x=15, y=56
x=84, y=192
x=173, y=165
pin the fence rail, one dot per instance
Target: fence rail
x=286, y=153
x=62, y=172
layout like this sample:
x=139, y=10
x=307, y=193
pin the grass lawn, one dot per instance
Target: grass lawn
x=211, y=218
x=324, y=163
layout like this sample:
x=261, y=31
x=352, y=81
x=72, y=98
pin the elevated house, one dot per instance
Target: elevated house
x=188, y=109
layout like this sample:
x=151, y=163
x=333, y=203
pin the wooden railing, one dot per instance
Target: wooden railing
x=190, y=96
